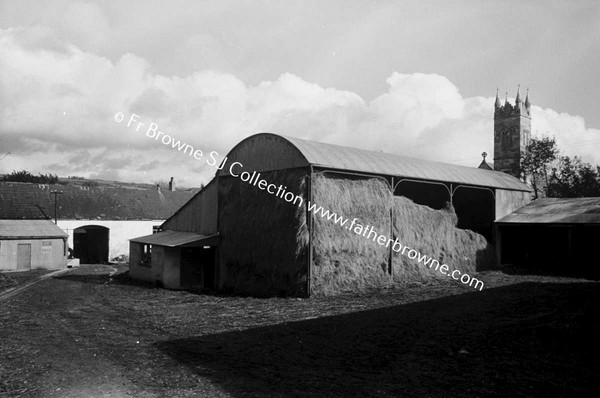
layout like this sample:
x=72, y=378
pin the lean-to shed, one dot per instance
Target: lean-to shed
x=558, y=235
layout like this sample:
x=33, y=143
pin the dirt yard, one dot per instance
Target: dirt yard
x=86, y=334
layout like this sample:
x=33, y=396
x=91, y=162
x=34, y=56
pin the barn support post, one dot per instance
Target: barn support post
x=218, y=249
x=391, y=252
x=498, y=246
x=310, y=224
x=570, y=252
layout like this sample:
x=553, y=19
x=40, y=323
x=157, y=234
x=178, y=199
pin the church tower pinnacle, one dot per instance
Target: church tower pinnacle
x=512, y=131
x=498, y=103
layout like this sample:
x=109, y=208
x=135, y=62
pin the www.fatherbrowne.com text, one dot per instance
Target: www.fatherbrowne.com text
x=253, y=178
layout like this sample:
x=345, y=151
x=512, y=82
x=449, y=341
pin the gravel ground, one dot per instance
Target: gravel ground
x=86, y=334
x=6, y=281
x=11, y=279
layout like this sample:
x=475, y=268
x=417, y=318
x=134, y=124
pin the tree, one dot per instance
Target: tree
x=536, y=163
x=573, y=178
x=25, y=176
x=551, y=175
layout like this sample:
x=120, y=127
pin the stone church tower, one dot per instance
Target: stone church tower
x=512, y=131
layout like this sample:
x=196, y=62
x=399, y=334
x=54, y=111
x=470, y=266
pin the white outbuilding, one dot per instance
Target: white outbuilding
x=29, y=244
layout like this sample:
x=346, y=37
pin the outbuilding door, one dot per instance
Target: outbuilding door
x=90, y=244
x=24, y=256
x=198, y=267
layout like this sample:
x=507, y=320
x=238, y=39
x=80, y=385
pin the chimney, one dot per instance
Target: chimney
x=158, y=187
x=172, y=185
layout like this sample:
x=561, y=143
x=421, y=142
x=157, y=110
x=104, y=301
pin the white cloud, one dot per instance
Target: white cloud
x=57, y=104
x=572, y=136
x=87, y=24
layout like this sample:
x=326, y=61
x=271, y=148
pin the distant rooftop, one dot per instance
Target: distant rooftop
x=90, y=200
x=13, y=229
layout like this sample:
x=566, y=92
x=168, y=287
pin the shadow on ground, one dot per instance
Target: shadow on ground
x=96, y=279
x=99, y=275
x=553, y=271
x=529, y=339
x=122, y=278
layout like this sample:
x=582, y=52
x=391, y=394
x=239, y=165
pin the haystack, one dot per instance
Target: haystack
x=345, y=261
x=434, y=233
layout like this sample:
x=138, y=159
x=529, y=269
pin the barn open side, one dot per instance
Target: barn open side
x=562, y=235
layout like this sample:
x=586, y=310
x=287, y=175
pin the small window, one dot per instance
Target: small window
x=46, y=247
x=146, y=256
x=156, y=229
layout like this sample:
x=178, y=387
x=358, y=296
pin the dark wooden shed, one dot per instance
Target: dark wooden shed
x=556, y=235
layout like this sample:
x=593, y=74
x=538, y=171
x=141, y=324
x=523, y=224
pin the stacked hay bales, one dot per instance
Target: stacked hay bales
x=434, y=233
x=264, y=244
x=343, y=260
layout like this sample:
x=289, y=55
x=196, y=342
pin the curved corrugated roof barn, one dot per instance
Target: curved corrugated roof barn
x=250, y=229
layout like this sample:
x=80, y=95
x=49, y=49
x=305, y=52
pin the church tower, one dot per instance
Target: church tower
x=512, y=131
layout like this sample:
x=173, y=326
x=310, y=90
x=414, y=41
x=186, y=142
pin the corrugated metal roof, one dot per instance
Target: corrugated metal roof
x=176, y=239
x=360, y=160
x=13, y=229
x=556, y=211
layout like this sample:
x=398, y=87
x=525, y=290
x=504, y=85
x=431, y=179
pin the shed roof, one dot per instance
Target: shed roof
x=556, y=211
x=20, y=200
x=177, y=239
x=20, y=229
x=259, y=150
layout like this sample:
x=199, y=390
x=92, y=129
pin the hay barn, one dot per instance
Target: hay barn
x=29, y=244
x=561, y=236
x=99, y=216
x=238, y=236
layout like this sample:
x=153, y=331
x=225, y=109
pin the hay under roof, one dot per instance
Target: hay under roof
x=556, y=211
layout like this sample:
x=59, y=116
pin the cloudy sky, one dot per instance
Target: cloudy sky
x=415, y=78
